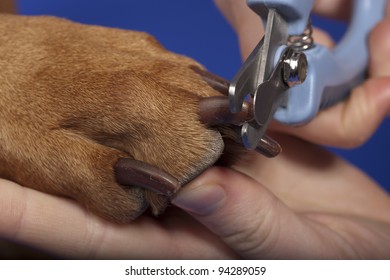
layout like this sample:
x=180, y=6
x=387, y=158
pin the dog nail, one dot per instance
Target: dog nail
x=215, y=110
x=218, y=83
x=130, y=172
x=201, y=200
x=268, y=147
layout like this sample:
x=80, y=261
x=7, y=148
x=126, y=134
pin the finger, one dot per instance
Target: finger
x=339, y=9
x=244, y=21
x=379, y=44
x=62, y=227
x=27, y=216
x=238, y=13
x=350, y=123
x=323, y=38
x=249, y=218
x=50, y=223
x=248, y=26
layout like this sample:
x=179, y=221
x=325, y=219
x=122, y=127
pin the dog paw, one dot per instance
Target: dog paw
x=104, y=116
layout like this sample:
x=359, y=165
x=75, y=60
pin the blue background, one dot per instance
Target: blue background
x=197, y=29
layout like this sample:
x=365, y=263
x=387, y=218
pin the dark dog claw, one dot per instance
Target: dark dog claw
x=130, y=172
x=268, y=147
x=215, y=110
x=216, y=82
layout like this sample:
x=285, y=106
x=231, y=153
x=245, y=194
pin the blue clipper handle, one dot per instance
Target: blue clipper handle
x=295, y=12
x=331, y=73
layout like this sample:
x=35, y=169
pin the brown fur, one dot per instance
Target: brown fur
x=7, y=6
x=75, y=98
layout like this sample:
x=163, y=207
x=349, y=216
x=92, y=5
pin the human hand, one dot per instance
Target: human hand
x=304, y=204
x=65, y=229
x=349, y=123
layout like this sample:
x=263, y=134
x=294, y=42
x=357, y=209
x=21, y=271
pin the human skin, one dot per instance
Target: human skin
x=306, y=203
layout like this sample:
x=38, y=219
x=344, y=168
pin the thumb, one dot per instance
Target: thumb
x=248, y=217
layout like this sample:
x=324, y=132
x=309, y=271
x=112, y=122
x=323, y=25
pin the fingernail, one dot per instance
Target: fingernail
x=201, y=200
